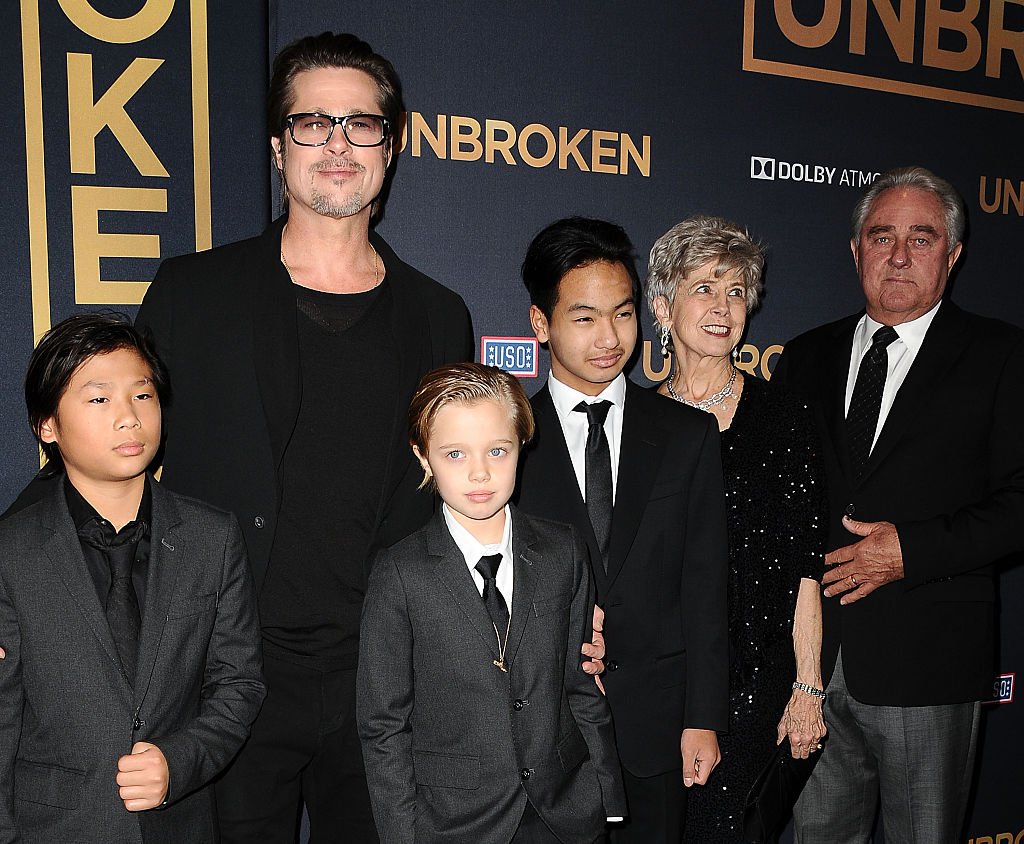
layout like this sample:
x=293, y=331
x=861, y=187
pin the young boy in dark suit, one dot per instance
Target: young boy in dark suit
x=127, y=613
x=477, y=721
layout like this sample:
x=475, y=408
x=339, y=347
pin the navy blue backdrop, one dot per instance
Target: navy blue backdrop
x=776, y=114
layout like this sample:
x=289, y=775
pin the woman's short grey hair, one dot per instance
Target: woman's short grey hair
x=695, y=241
x=921, y=179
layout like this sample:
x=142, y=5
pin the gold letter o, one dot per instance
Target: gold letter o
x=138, y=27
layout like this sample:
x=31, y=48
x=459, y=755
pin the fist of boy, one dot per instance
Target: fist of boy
x=143, y=777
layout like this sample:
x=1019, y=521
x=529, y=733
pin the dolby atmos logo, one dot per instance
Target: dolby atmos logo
x=771, y=169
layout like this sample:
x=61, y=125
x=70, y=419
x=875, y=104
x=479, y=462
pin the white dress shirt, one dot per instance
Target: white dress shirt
x=575, y=424
x=472, y=549
x=901, y=352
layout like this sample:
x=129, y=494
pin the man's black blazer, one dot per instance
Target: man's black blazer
x=453, y=745
x=664, y=593
x=948, y=471
x=224, y=324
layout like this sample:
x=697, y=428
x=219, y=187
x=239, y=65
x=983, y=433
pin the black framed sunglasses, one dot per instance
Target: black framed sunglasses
x=314, y=129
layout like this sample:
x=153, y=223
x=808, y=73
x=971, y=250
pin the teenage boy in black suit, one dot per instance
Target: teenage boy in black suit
x=128, y=615
x=640, y=478
x=477, y=721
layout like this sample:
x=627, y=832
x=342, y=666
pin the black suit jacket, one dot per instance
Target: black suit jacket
x=664, y=593
x=452, y=745
x=66, y=711
x=225, y=325
x=948, y=471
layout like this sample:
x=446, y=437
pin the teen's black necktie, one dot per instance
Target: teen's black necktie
x=862, y=418
x=598, y=475
x=497, y=609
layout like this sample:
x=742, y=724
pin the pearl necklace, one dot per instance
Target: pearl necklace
x=711, y=401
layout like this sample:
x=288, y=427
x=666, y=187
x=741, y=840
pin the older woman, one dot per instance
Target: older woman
x=704, y=279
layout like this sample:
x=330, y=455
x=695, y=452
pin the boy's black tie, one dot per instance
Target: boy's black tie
x=598, y=476
x=497, y=609
x=122, y=605
x=862, y=418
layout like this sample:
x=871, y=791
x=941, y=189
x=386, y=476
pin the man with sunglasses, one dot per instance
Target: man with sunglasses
x=293, y=357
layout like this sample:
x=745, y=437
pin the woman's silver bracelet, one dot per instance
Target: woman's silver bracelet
x=809, y=689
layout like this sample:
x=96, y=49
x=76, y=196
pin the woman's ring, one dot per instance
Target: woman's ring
x=853, y=577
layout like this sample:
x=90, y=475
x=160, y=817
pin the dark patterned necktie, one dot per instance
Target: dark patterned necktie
x=598, y=476
x=497, y=609
x=122, y=605
x=862, y=418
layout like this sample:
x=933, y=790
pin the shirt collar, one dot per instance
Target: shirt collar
x=82, y=512
x=472, y=549
x=565, y=398
x=911, y=333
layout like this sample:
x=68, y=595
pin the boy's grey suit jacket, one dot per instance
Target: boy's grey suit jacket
x=67, y=712
x=453, y=745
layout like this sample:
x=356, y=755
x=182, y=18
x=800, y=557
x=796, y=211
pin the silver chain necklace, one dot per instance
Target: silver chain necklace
x=711, y=401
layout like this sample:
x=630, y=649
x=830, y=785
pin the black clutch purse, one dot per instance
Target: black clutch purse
x=773, y=794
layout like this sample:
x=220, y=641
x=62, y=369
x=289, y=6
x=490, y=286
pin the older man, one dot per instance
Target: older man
x=919, y=404
x=293, y=358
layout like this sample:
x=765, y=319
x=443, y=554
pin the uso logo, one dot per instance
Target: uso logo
x=516, y=355
x=1002, y=689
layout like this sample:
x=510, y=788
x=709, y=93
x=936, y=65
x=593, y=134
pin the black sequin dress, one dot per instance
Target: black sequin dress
x=775, y=497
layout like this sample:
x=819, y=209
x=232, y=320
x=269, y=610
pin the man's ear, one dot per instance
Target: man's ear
x=539, y=323
x=275, y=145
x=953, y=256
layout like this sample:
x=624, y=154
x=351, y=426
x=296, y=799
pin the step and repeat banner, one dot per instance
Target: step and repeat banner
x=135, y=132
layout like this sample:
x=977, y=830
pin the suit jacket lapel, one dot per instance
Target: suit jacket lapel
x=552, y=471
x=640, y=450
x=931, y=363
x=166, y=551
x=524, y=581
x=836, y=371
x=453, y=573
x=275, y=339
x=411, y=338
x=65, y=552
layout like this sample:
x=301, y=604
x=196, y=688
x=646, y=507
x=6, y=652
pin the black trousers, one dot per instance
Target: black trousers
x=303, y=749
x=657, y=809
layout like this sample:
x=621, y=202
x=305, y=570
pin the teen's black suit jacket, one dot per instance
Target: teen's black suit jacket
x=948, y=471
x=66, y=710
x=664, y=594
x=224, y=322
x=452, y=745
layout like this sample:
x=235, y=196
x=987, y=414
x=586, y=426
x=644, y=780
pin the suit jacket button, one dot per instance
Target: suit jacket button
x=526, y=773
x=611, y=665
x=258, y=521
x=517, y=705
x=850, y=511
x=136, y=725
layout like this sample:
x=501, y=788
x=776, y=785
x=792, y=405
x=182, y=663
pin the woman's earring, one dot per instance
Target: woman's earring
x=735, y=353
x=663, y=332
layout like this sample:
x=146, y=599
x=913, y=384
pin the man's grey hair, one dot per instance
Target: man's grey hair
x=920, y=179
x=695, y=241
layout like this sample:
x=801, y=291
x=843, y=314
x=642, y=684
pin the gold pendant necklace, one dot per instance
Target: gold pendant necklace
x=502, y=646
x=287, y=269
